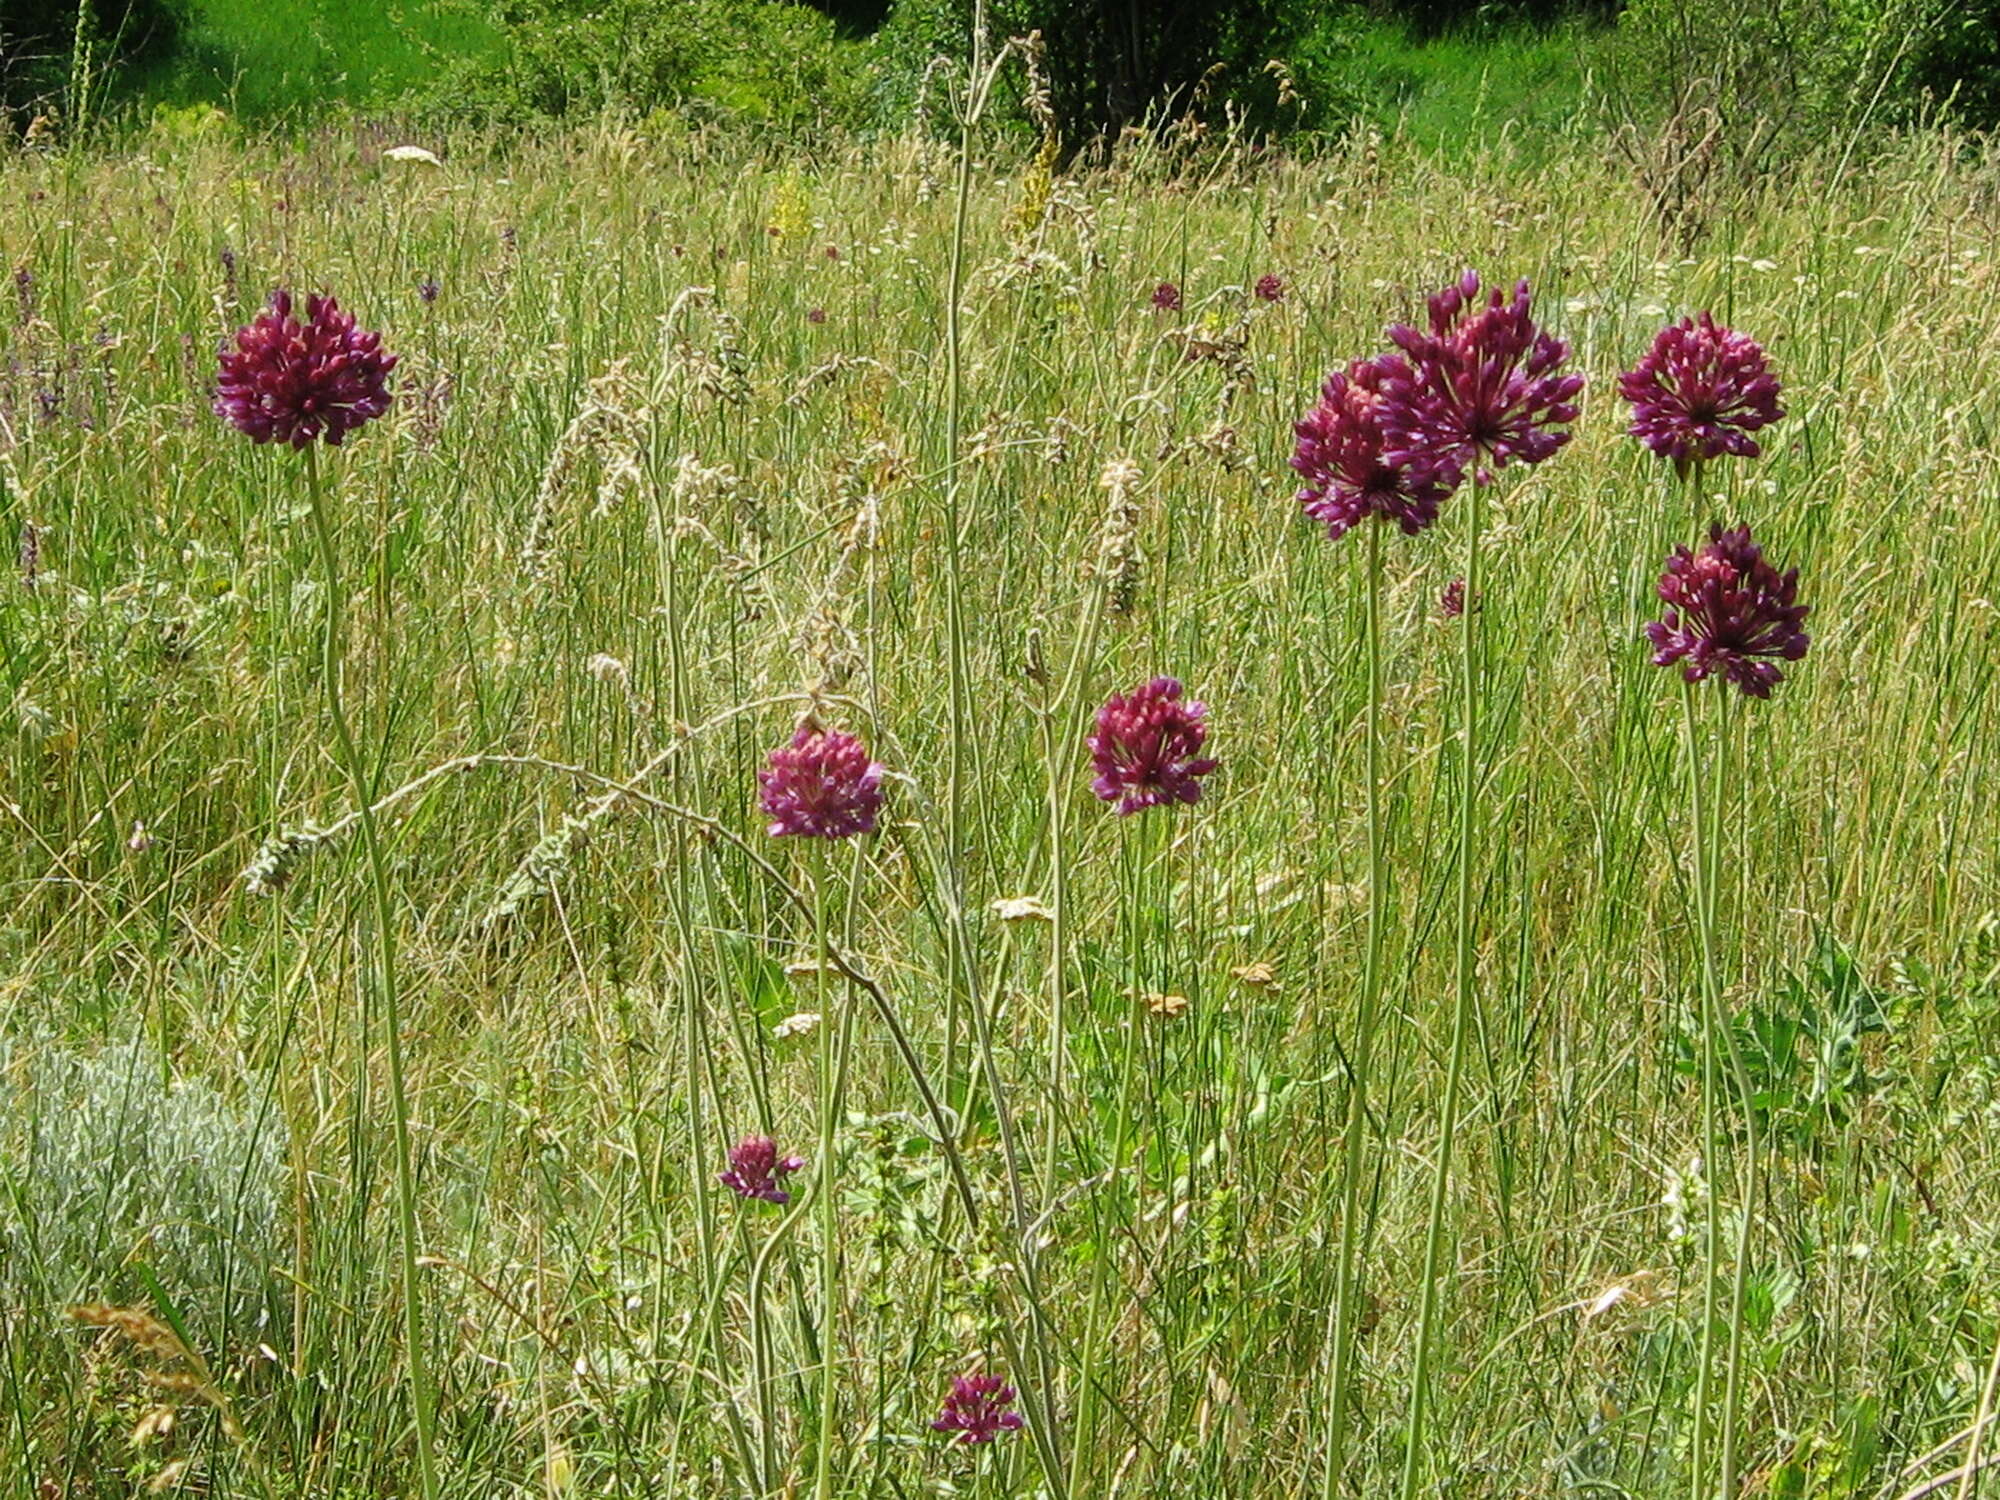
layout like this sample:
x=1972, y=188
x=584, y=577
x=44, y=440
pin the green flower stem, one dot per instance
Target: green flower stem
x=1461, y=1017
x=1709, y=820
x=1341, y=1382
x=422, y=1396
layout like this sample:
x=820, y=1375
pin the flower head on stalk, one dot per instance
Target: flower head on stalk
x=1270, y=287
x=979, y=1409
x=1700, y=391
x=292, y=380
x=1166, y=297
x=756, y=1169
x=1482, y=385
x=1147, y=748
x=1730, y=612
x=821, y=785
x=1340, y=455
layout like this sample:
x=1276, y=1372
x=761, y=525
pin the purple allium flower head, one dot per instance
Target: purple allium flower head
x=815, y=315
x=1482, y=387
x=1451, y=603
x=1339, y=454
x=292, y=381
x=979, y=1409
x=1728, y=608
x=1166, y=297
x=1269, y=288
x=1147, y=748
x=1700, y=392
x=756, y=1169
x=822, y=785
x=428, y=290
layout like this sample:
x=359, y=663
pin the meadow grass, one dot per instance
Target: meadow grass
x=266, y=58
x=618, y=526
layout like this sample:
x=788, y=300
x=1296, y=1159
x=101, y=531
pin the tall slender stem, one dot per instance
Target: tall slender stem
x=1711, y=1120
x=1739, y=1074
x=1461, y=1016
x=762, y=1375
x=954, y=421
x=832, y=1068
x=422, y=1398
x=1340, y=1386
x=1136, y=940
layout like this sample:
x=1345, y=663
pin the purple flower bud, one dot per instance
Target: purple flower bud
x=1269, y=288
x=1451, y=603
x=755, y=1169
x=291, y=382
x=1146, y=750
x=1729, y=608
x=822, y=785
x=979, y=1409
x=427, y=290
x=1700, y=392
x=1482, y=386
x=815, y=315
x=1339, y=453
x=1166, y=297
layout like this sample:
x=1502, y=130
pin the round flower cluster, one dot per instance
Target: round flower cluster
x=293, y=380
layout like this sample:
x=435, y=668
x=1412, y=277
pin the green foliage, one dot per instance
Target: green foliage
x=766, y=62
x=1803, y=1048
x=115, y=1174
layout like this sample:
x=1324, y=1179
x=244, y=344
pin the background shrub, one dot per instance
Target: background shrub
x=38, y=39
x=762, y=61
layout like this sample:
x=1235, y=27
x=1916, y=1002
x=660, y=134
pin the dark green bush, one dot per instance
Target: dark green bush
x=1111, y=63
x=38, y=40
x=1957, y=62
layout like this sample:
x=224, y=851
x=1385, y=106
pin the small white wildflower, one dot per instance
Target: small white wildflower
x=1022, y=909
x=607, y=668
x=1605, y=1300
x=800, y=1024
x=416, y=154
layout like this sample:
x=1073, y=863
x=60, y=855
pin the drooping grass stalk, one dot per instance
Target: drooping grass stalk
x=964, y=989
x=1341, y=1380
x=422, y=1397
x=1466, y=964
x=694, y=1035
